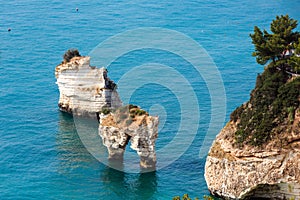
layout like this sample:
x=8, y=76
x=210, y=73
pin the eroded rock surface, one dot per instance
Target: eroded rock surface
x=270, y=171
x=130, y=124
x=85, y=90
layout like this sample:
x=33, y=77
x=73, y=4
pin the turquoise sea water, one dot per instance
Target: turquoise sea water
x=41, y=154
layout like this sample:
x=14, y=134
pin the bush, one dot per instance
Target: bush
x=274, y=100
x=140, y=112
x=71, y=53
x=184, y=197
x=128, y=113
x=234, y=116
x=105, y=111
x=132, y=106
x=291, y=111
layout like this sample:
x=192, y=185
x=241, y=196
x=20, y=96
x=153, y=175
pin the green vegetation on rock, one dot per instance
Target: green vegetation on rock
x=275, y=46
x=105, y=110
x=275, y=99
x=126, y=114
x=184, y=197
x=69, y=54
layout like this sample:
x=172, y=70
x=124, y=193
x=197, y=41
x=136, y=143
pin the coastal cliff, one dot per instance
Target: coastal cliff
x=130, y=124
x=257, y=153
x=84, y=90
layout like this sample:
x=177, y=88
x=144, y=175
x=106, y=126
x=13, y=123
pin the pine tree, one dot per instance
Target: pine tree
x=294, y=61
x=270, y=46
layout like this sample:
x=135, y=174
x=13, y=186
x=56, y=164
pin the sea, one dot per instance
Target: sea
x=42, y=154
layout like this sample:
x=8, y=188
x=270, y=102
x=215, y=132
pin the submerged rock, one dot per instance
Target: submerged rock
x=85, y=90
x=130, y=123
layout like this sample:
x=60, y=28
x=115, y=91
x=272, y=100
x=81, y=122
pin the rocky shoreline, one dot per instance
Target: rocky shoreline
x=270, y=172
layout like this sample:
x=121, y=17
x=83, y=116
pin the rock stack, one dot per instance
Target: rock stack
x=130, y=123
x=85, y=90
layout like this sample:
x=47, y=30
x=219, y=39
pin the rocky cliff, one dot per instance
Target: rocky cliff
x=85, y=90
x=257, y=154
x=130, y=123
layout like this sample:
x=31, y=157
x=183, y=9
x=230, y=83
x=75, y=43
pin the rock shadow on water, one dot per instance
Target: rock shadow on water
x=72, y=151
x=129, y=185
x=77, y=163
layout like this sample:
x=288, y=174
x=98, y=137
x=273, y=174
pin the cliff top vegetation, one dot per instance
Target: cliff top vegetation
x=69, y=54
x=124, y=116
x=281, y=47
x=274, y=102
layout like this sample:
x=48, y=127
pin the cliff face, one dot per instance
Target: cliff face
x=269, y=172
x=85, y=90
x=250, y=160
x=130, y=123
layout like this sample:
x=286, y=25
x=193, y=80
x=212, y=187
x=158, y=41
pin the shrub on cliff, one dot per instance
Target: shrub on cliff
x=272, y=104
x=128, y=113
x=105, y=111
x=71, y=53
x=184, y=197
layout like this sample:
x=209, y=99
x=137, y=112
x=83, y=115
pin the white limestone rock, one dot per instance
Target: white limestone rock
x=85, y=90
x=132, y=125
x=270, y=172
